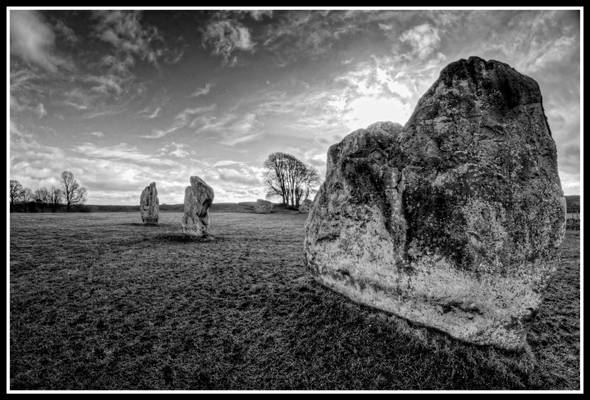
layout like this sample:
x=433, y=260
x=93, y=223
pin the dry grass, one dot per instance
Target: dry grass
x=99, y=301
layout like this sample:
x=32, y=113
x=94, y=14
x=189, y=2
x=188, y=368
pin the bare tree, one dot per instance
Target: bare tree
x=309, y=183
x=16, y=192
x=28, y=198
x=73, y=193
x=55, y=197
x=289, y=178
x=28, y=195
x=42, y=197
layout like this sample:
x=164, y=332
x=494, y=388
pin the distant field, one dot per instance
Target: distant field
x=99, y=301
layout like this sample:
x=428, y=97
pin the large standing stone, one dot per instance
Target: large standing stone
x=453, y=221
x=262, y=207
x=197, y=200
x=149, y=205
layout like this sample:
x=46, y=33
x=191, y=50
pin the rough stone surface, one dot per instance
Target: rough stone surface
x=305, y=206
x=454, y=220
x=263, y=207
x=148, y=205
x=198, y=197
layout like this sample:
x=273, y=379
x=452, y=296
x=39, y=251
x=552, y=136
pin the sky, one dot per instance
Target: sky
x=122, y=98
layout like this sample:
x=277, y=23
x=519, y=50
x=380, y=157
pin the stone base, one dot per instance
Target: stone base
x=198, y=236
x=150, y=221
x=195, y=230
x=483, y=309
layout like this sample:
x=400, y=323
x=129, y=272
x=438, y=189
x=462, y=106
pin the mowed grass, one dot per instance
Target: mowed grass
x=99, y=301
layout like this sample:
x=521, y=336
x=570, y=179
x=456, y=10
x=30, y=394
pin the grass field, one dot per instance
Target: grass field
x=98, y=301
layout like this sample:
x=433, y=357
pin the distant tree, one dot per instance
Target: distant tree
x=289, y=178
x=55, y=197
x=73, y=193
x=16, y=192
x=28, y=198
x=310, y=181
x=42, y=197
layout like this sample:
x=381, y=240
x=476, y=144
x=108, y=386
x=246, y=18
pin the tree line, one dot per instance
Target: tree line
x=286, y=177
x=69, y=195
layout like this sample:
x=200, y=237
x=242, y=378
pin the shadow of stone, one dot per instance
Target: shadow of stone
x=184, y=238
x=137, y=224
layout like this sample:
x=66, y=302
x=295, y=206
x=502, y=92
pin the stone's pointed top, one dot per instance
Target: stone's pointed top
x=474, y=62
x=474, y=87
x=195, y=180
x=365, y=142
x=492, y=75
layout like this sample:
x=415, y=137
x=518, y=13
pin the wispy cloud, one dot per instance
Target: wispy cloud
x=225, y=37
x=307, y=34
x=202, y=91
x=66, y=32
x=121, y=151
x=423, y=38
x=182, y=119
x=178, y=150
x=105, y=83
x=229, y=129
x=125, y=32
x=146, y=113
x=41, y=111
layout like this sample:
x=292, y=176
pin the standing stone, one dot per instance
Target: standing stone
x=263, y=207
x=149, y=205
x=197, y=200
x=453, y=221
x=305, y=206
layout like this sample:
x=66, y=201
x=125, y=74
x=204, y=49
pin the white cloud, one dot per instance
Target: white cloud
x=96, y=133
x=225, y=37
x=366, y=110
x=124, y=31
x=551, y=53
x=202, y=91
x=77, y=99
x=106, y=84
x=33, y=40
x=146, y=113
x=423, y=38
x=258, y=15
x=66, y=32
x=178, y=150
x=76, y=105
x=40, y=111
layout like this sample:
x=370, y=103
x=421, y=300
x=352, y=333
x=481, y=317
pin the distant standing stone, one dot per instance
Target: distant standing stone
x=149, y=205
x=198, y=197
x=263, y=207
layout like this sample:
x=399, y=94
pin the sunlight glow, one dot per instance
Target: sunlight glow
x=366, y=110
